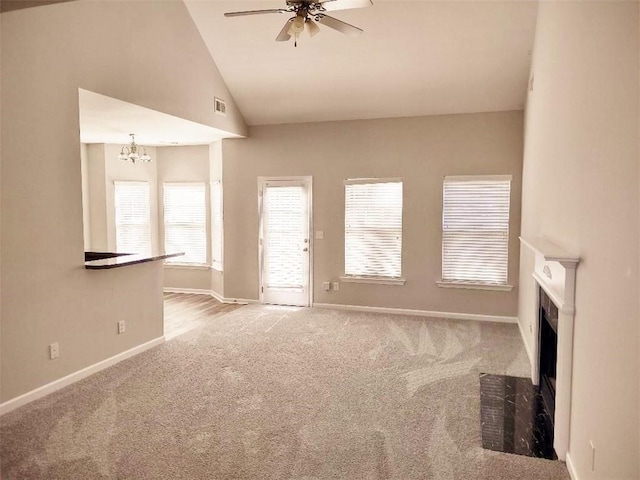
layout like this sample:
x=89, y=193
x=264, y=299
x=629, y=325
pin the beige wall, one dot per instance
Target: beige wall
x=94, y=205
x=103, y=169
x=581, y=191
x=86, y=206
x=185, y=164
x=134, y=51
x=421, y=151
x=169, y=164
x=215, y=172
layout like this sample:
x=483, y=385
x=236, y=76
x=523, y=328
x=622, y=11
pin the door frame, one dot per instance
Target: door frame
x=307, y=180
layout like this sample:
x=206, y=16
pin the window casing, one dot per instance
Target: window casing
x=373, y=229
x=132, y=217
x=475, y=230
x=185, y=228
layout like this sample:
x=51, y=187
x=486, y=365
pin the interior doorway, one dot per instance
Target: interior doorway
x=285, y=241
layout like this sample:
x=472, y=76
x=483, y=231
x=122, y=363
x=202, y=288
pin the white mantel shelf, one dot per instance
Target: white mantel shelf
x=550, y=251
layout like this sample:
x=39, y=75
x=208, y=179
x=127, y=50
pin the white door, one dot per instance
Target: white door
x=284, y=241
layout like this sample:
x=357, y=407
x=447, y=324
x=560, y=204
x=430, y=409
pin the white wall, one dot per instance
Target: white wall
x=580, y=189
x=134, y=51
x=421, y=151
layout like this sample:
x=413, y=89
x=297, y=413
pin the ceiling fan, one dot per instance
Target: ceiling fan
x=307, y=13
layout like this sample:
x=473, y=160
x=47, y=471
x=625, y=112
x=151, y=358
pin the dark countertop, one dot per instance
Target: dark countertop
x=103, y=260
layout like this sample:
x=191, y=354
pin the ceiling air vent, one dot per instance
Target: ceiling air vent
x=219, y=106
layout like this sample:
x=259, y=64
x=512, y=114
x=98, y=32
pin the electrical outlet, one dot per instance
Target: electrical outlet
x=54, y=350
x=336, y=286
x=327, y=286
x=121, y=326
x=319, y=235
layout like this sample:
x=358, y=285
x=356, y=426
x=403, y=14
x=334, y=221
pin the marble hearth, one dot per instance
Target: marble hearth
x=513, y=417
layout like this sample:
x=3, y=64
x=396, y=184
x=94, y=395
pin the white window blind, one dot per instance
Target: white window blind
x=475, y=229
x=185, y=222
x=133, y=217
x=216, y=225
x=373, y=228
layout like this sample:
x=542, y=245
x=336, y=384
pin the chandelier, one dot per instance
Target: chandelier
x=133, y=152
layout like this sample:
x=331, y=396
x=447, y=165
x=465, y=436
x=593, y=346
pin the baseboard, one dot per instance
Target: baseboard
x=572, y=470
x=217, y=296
x=211, y=293
x=194, y=291
x=419, y=313
x=241, y=301
x=45, y=390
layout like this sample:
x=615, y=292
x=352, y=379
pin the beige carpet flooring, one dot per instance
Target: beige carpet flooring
x=282, y=393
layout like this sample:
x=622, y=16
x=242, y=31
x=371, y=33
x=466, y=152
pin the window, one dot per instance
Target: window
x=373, y=229
x=133, y=217
x=216, y=225
x=185, y=222
x=475, y=230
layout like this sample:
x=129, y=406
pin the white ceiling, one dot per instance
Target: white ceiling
x=108, y=120
x=414, y=58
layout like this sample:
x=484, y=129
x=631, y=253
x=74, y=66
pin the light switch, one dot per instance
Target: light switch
x=319, y=235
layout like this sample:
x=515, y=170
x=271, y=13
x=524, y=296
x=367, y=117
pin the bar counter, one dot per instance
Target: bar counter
x=103, y=260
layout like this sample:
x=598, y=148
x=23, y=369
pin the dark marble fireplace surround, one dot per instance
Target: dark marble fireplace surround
x=547, y=361
x=517, y=416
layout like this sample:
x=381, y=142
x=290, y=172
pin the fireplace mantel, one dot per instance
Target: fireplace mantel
x=555, y=272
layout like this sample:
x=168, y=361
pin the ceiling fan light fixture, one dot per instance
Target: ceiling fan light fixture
x=312, y=28
x=297, y=26
x=310, y=13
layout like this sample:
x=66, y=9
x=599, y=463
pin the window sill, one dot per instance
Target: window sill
x=377, y=280
x=475, y=286
x=187, y=266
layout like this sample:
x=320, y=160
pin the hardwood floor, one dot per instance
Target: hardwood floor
x=186, y=311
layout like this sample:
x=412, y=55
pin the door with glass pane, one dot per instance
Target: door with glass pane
x=284, y=241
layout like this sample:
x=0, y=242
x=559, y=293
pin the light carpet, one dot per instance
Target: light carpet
x=282, y=393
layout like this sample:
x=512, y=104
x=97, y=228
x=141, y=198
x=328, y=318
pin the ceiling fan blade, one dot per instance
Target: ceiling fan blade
x=283, y=36
x=255, y=12
x=331, y=5
x=339, y=25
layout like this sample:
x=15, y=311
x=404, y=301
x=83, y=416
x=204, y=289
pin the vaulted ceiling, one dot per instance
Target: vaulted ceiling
x=415, y=58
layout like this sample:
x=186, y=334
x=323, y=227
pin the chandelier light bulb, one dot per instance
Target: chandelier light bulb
x=131, y=152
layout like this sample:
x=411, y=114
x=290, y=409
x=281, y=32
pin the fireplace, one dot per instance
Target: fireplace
x=548, y=351
x=550, y=319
